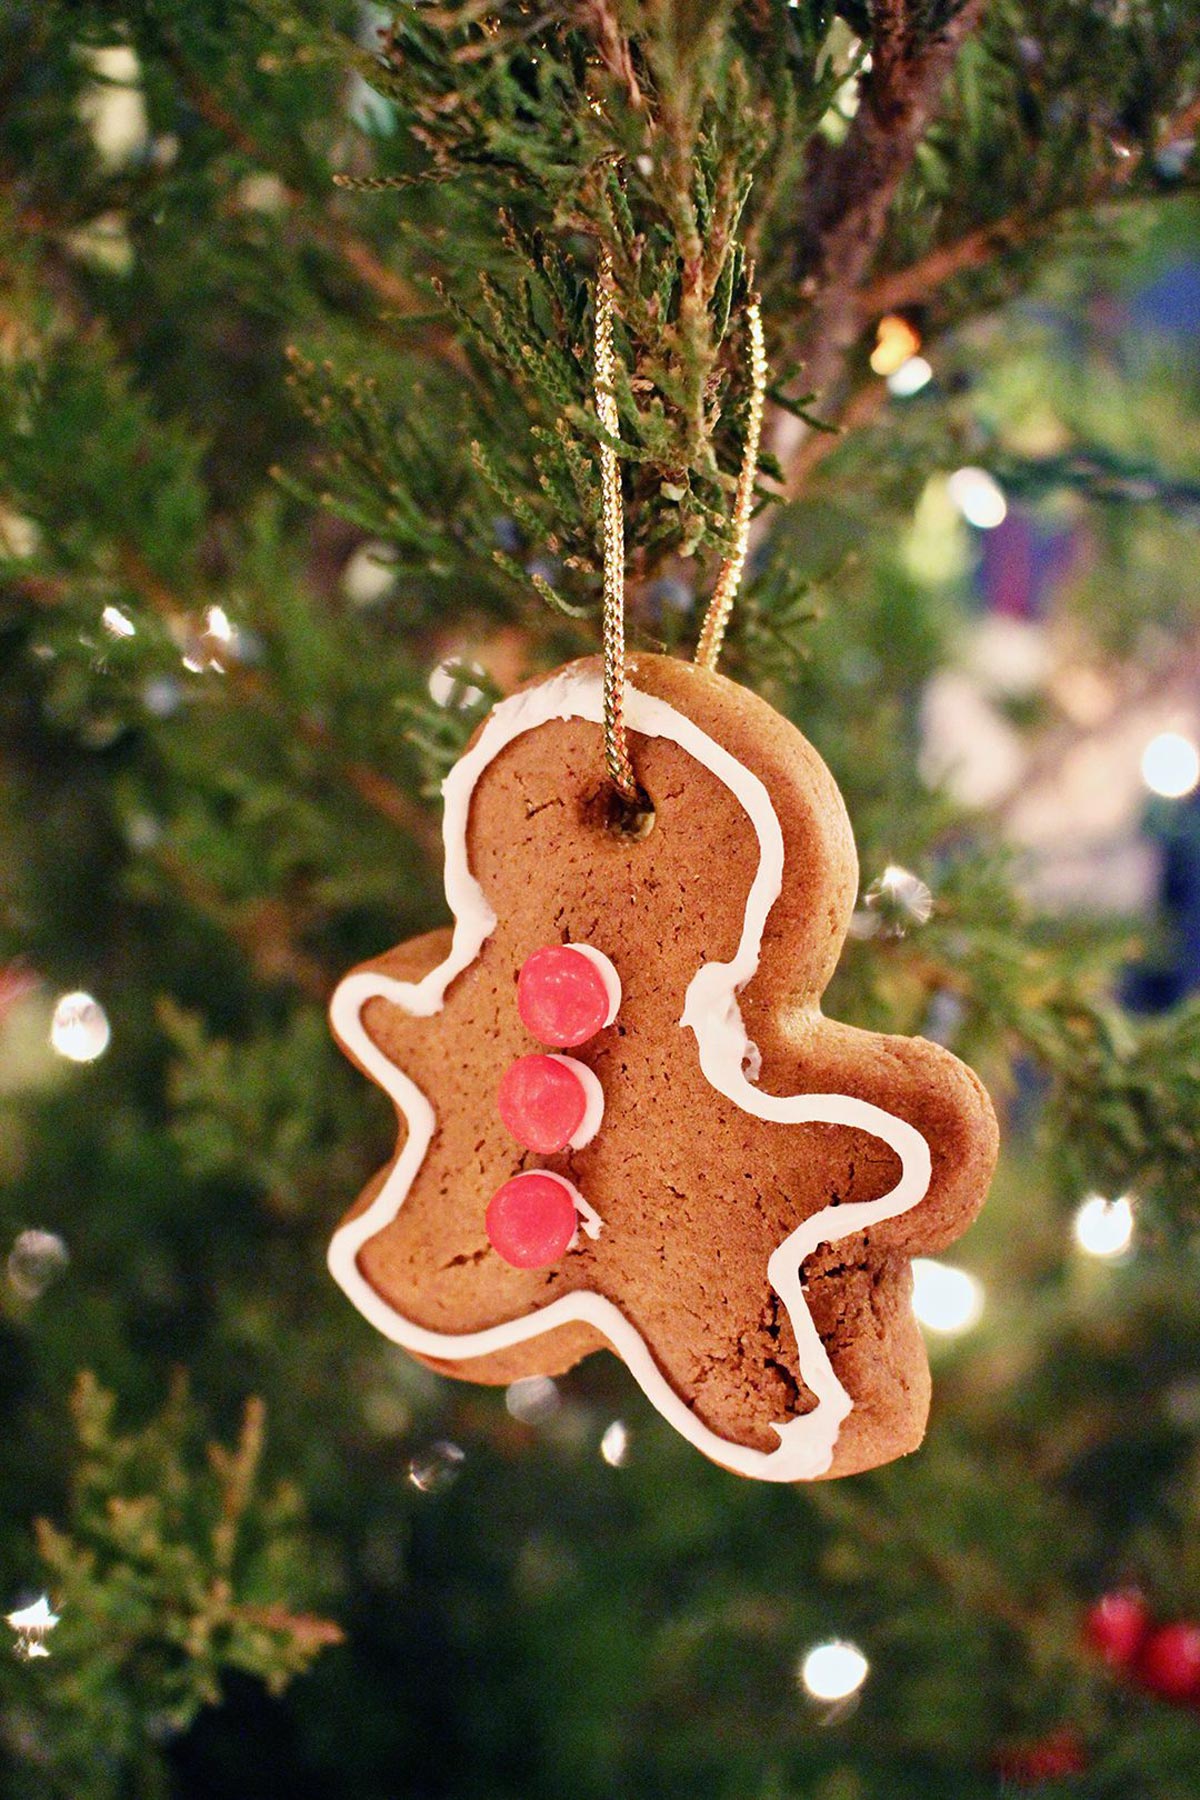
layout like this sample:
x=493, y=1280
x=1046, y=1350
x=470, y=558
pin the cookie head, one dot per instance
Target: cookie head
x=624, y=1120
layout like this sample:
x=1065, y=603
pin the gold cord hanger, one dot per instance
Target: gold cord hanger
x=712, y=634
x=616, y=745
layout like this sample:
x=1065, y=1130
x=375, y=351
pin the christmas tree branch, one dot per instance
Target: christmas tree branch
x=851, y=186
x=915, y=284
x=265, y=930
x=857, y=410
x=326, y=226
x=1023, y=228
x=383, y=796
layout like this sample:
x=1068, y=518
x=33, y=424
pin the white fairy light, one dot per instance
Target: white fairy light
x=79, y=1029
x=113, y=108
x=532, y=1399
x=211, y=645
x=1104, y=1227
x=32, y=1624
x=978, y=497
x=217, y=625
x=1171, y=765
x=104, y=242
x=449, y=686
x=892, y=904
x=614, y=1445
x=945, y=1298
x=116, y=623
x=437, y=1467
x=19, y=535
x=834, y=1671
x=370, y=573
x=910, y=377
x=262, y=192
x=36, y=1259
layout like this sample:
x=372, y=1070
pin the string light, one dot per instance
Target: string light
x=113, y=107
x=945, y=1298
x=834, y=1671
x=116, y=623
x=437, y=1467
x=896, y=340
x=1171, y=765
x=533, y=1399
x=910, y=377
x=449, y=685
x=1104, y=1227
x=36, y=1259
x=370, y=573
x=893, y=904
x=79, y=1029
x=32, y=1625
x=217, y=625
x=978, y=498
x=614, y=1445
x=213, y=645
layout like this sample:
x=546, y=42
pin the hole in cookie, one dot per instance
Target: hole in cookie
x=632, y=819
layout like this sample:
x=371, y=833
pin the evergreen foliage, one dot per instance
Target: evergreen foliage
x=295, y=404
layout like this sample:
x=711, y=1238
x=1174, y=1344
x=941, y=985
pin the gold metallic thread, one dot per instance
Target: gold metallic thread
x=712, y=633
x=616, y=743
x=716, y=619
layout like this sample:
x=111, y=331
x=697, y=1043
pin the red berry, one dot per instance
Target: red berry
x=532, y=1219
x=566, y=993
x=1169, y=1663
x=1116, y=1626
x=1053, y=1758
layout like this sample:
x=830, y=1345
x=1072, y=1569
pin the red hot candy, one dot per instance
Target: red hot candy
x=532, y=1220
x=1169, y=1663
x=1117, y=1626
x=544, y=1102
x=566, y=993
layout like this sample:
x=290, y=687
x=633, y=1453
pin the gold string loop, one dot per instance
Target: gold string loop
x=616, y=741
x=712, y=632
x=716, y=619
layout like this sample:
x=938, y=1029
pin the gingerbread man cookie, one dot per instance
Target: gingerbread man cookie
x=624, y=1120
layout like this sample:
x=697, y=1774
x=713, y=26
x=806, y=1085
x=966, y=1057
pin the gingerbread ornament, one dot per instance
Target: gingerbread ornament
x=736, y=1216
x=625, y=1122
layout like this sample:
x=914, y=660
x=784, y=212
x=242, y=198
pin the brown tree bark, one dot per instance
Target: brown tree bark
x=850, y=190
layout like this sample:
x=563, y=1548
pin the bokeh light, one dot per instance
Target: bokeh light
x=945, y=1298
x=1171, y=765
x=79, y=1029
x=532, y=1399
x=36, y=1259
x=896, y=342
x=450, y=684
x=436, y=1467
x=614, y=1445
x=834, y=1671
x=978, y=498
x=910, y=378
x=1104, y=1227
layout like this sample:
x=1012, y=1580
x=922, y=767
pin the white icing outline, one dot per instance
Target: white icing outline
x=806, y=1444
x=593, y=1099
x=608, y=975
